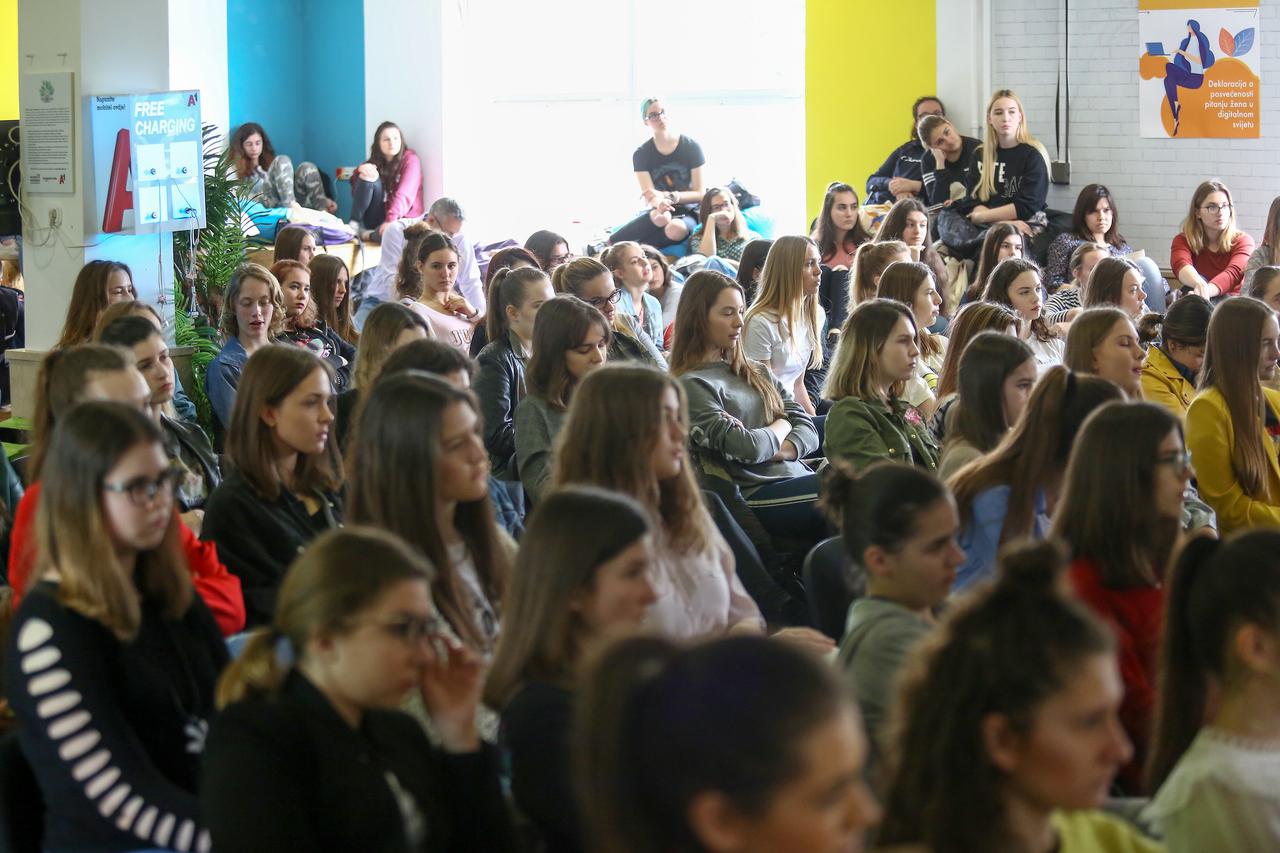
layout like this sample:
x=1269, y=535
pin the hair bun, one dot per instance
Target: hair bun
x=1032, y=566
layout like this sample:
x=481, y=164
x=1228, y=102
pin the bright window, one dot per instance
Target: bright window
x=551, y=93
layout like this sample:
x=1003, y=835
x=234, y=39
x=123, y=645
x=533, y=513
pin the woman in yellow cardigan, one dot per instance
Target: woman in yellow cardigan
x=1234, y=422
x=1171, y=367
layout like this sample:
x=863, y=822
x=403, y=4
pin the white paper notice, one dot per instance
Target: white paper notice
x=47, y=141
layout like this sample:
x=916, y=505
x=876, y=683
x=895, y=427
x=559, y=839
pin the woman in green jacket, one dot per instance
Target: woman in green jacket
x=870, y=421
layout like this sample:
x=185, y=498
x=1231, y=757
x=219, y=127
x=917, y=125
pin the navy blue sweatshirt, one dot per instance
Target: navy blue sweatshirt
x=938, y=182
x=1022, y=179
x=904, y=162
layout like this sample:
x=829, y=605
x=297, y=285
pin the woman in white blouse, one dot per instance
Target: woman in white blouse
x=785, y=322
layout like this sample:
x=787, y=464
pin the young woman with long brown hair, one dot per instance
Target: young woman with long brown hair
x=1118, y=282
x=304, y=328
x=387, y=186
x=913, y=284
x=997, y=373
x=252, y=318
x=908, y=221
x=1233, y=422
x=114, y=658
x=839, y=230
x=1103, y=342
x=283, y=486
x=747, y=431
x=272, y=178
x=722, y=230
x=1209, y=252
x=593, y=283
x=1095, y=220
x=1006, y=733
x=970, y=321
x=98, y=285
x=1120, y=514
x=1016, y=283
x=1003, y=241
x=331, y=296
x=1011, y=492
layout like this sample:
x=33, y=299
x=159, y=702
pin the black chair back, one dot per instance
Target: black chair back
x=831, y=583
x=21, y=806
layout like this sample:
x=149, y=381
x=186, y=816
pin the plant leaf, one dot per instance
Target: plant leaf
x=1244, y=41
x=1226, y=42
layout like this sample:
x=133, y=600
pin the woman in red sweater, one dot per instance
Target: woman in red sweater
x=1209, y=254
x=90, y=372
x=1129, y=460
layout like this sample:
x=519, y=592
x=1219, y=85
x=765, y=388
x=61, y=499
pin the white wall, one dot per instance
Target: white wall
x=198, y=56
x=1152, y=179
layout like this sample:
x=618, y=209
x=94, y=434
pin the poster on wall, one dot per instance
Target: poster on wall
x=46, y=130
x=145, y=163
x=1199, y=69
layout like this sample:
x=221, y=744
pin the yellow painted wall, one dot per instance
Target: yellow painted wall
x=8, y=59
x=866, y=61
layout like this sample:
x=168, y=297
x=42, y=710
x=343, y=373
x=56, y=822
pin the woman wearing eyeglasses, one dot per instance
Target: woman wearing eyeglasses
x=1209, y=254
x=669, y=169
x=310, y=751
x=593, y=283
x=113, y=658
x=283, y=487
x=722, y=229
x=1130, y=459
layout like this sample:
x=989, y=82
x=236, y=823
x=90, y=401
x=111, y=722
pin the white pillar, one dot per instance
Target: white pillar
x=964, y=61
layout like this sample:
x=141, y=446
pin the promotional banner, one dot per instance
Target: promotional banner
x=1199, y=69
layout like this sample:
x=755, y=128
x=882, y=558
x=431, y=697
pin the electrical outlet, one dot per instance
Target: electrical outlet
x=1060, y=172
x=55, y=217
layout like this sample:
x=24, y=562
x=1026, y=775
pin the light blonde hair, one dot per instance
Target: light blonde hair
x=781, y=297
x=1193, y=228
x=987, y=180
x=229, y=325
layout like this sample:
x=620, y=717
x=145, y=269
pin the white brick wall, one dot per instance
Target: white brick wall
x=1152, y=179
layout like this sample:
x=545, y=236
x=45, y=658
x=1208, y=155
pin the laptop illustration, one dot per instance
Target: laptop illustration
x=1156, y=48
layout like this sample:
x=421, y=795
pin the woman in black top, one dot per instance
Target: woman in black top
x=947, y=160
x=899, y=175
x=283, y=488
x=669, y=169
x=113, y=658
x=303, y=327
x=313, y=754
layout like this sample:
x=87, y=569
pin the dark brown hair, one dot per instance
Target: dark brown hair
x=89, y=300
x=987, y=362
x=560, y=326
x=970, y=321
x=996, y=235
x=1086, y=203
x=825, y=234
x=243, y=132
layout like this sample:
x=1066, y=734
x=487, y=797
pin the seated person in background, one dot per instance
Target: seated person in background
x=1209, y=254
x=591, y=281
x=1096, y=220
x=1103, y=342
x=185, y=409
x=631, y=275
x=1265, y=287
x=870, y=420
x=665, y=285
x=839, y=231
x=330, y=294
x=1171, y=368
x=445, y=215
x=722, y=229
x=102, y=373
x=516, y=296
x=751, y=267
x=784, y=324
x=1064, y=305
x=914, y=286
x=1116, y=282
x=971, y=320
x=283, y=488
x=946, y=162
x=1011, y=181
x=387, y=186
x=252, y=318
x=1015, y=282
x=387, y=329
x=273, y=178
x=898, y=525
x=669, y=169
x=304, y=328
x=997, y=373
x=113, y=624
x=899, y=176
x=452, y=316
x=1022, y=757
x=294, y=243
x=908, y=221
x=581, y=579
x=1003, y=240
x=1266, y=253
x=671, y=759
x=186, y=444
x=549, y=248
x=570, y=339
x=313, y=753
x=1004, y=496
x=378, y=285
x=99, y=284
x=510, y=258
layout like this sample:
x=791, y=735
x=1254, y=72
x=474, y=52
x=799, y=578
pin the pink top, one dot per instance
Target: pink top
x=699, y=595
x=407, y=198
x=450, y=328
x=1224, y=270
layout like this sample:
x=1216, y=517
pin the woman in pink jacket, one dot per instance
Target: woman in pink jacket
x=387, y=186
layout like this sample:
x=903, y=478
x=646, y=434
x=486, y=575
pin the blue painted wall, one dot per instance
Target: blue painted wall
x=297, y=68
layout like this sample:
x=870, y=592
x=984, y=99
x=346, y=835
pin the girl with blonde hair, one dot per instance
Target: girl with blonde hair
x=1012, y=182
x=252, y=317
x=785, y=322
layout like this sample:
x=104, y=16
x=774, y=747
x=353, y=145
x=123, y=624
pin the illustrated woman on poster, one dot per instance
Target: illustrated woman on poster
x=1178, y=73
